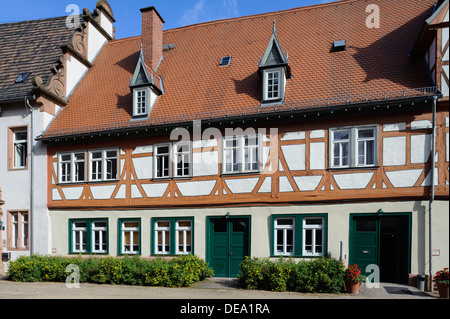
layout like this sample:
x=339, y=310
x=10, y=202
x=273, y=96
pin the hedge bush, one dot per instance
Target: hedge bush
x=178, y=272
x=320, y=275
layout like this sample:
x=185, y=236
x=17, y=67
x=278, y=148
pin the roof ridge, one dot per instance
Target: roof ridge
x=257, y=15
x=34, y=20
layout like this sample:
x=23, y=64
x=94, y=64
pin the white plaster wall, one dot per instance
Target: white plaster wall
x=106, y=24
x=404, y=178
x=295, y=156
x=353, y=180
x=75, y=71
x=317, y=155
x=205, y=163
x=200, y=188
x=143, y=167
x=394, y=151
x=95, y=42
x=242, y=185
x=420, y=148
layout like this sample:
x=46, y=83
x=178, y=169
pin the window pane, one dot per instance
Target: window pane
x=289, y=241
x=79, y=171
x=365, y=133
x=313, y=221
x=131, y=225
x=341, y=135
x=284, y=221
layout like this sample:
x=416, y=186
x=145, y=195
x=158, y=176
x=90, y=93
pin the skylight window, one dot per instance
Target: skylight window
x=339, y=45
x=22, y=77
x=225, y=61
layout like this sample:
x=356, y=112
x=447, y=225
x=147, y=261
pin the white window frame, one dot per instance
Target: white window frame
x=82, y=231
x=103, y=160
x=155, y=160
x=240, y=149
x=177, y=156
x=137, y=103
x=20, y=144
x=365, y=140
x=285, y=229
x=101, y=230
x=313, y=228
x=163, y=230
x=72, y=164
x=130, y=230
x=353, y=155
x=184, y=230
x=281, y=84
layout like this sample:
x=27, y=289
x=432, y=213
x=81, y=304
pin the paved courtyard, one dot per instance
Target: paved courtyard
x=214, y=288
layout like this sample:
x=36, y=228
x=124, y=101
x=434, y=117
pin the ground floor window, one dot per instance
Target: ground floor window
x=298, y=235
x=88, y=236
x=172, y=236
x=130, y=236
x=18, y=227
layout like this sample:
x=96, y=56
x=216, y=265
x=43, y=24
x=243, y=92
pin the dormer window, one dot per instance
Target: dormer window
x=273, y=84
x=140, y=102
x=144, y=89
x=274, y=71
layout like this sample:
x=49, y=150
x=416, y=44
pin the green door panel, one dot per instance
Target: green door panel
x=229, y=244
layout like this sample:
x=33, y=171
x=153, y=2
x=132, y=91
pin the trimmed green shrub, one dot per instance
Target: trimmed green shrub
x=178, y=272
x=320, y=275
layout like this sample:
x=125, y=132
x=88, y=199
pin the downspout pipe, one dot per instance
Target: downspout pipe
x=31, y=177
x=430, y=209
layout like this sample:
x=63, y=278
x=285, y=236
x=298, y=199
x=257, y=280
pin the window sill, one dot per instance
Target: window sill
x=241, y=173
x=353, y=168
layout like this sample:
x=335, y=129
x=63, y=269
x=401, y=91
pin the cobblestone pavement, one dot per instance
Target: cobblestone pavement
x=214, y=288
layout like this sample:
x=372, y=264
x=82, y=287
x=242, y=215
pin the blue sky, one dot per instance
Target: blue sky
x=176, y=13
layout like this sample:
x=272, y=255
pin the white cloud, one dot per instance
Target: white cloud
x=210, y=10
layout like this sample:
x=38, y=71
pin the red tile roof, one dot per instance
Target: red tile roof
x=376, y=60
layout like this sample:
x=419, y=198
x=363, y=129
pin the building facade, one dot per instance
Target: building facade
x=42, y=62
x=297, y=133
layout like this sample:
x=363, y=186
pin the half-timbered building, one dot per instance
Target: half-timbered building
x=310, y=131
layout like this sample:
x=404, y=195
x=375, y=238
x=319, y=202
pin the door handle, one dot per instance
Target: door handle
x=230, y=254
x=366, y=252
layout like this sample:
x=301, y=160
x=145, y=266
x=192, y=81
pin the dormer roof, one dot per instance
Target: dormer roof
x=273, y=56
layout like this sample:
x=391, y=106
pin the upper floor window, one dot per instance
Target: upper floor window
x=19, y=148
x=72, y=167
x=241, y=154
x=179, y=154
x=272, y=85
x=182, y=158
x=353, y=147
x=140, y=102
x=162, y=160
x=104, y=165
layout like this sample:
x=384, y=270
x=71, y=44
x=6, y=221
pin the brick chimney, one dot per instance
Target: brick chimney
x=152, y=36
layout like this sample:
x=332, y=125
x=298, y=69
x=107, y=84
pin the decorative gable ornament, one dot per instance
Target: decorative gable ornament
x=144, y=89
x=274, y=71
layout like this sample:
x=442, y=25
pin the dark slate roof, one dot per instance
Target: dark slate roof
x=29, y=46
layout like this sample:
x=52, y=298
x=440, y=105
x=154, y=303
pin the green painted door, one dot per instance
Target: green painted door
x=383, y=240
x=228, y=244
x=364, y=241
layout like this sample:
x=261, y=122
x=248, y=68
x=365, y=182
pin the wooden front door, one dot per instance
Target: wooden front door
x=228, y=244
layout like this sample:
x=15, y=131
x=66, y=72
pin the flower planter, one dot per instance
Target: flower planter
x=443, y=290
x=352, y=286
